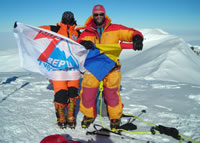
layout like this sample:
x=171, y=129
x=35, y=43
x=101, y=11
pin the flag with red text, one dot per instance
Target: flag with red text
x=48, y=53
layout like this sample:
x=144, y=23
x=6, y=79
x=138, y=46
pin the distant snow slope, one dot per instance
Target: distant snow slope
x=164, y=57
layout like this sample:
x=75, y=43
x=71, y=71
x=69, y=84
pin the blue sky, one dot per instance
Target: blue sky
x=179, y=17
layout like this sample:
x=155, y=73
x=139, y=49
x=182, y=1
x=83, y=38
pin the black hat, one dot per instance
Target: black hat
x=68, y=18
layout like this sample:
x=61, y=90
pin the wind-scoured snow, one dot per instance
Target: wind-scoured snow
x=163, y=79
x=165, y=57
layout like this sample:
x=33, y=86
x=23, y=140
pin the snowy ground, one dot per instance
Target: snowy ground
x=27, y=111
x=163, y=79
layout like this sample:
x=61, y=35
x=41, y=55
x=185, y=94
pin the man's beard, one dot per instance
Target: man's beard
x=99, y=23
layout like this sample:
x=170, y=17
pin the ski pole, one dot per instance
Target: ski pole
x=142, y=112
x=128, y=115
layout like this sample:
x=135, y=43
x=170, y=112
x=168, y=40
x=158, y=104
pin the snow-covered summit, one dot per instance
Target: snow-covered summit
x=156, y=31
x=164, y=57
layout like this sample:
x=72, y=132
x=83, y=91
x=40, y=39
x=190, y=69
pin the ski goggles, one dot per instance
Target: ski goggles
x=98, y=14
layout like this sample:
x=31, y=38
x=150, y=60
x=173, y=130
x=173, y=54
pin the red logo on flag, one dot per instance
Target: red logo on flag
x=47, y=52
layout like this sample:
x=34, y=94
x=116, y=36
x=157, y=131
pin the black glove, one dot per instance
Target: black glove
x=87, y=44
x=137, y=42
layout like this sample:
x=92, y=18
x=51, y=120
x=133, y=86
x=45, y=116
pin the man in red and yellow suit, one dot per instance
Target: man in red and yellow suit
x=66, y=92
x=100, y=30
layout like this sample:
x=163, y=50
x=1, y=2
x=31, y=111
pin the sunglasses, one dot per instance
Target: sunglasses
x=100, y=14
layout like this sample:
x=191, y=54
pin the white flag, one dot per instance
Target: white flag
x=48, y=53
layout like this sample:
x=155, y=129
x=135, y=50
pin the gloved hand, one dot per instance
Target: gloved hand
x=137, y=42
x=87, y=44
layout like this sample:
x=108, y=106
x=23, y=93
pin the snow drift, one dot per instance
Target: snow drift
x=165, y=57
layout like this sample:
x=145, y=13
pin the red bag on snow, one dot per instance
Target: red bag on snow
x=56, y=139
